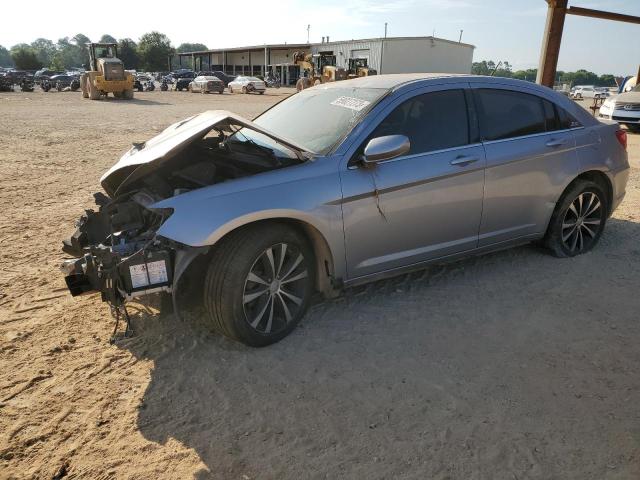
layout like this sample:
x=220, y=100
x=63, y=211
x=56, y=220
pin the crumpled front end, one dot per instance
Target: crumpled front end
x=117, y=253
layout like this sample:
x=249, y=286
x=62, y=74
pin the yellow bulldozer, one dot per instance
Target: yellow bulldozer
x=359, y=67
x=317, y=68
x=106, y=74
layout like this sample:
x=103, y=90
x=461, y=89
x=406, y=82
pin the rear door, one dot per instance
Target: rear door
x=530, y=156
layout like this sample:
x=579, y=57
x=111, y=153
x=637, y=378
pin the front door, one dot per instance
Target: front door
x=422, y=205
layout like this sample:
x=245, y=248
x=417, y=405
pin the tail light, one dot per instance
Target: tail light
x=621, y=135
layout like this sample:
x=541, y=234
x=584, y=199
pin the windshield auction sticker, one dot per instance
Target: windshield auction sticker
x=350, y=103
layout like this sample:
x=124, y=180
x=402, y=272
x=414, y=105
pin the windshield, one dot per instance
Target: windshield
x=319, y=117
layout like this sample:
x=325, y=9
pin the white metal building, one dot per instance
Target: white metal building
x=386, y=55
x=403, y=54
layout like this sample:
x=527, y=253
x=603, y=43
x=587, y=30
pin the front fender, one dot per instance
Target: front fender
x=202, y=217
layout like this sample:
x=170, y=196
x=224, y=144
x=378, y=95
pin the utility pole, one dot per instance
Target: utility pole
x=460, y=39
x=308, y=28
x=382, y=47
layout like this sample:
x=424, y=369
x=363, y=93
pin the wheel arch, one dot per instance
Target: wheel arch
x=325, y=275
x=596, y=176
x=601, y=178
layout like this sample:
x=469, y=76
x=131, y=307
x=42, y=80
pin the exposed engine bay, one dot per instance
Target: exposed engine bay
x=115, y=249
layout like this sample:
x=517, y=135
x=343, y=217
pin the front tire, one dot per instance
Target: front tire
x=259, y=284
x=578, y=220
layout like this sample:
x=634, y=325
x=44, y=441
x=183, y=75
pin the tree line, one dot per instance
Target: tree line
x=149, y=53
x=504, y=69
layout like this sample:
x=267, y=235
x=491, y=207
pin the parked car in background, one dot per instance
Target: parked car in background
x=45, y=73
x=247, y=85
x=184, y=79
x=341, y=185
x=6, y=82
x=586, y=91
x=206, y=84
x=224, y=77
x=624, y=108
x=60, y=82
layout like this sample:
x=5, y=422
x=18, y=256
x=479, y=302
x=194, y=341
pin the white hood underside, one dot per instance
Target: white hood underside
x=179, y=135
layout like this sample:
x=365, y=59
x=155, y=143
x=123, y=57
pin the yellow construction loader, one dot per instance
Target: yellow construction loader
x=318, y=68
x=358, y=67
x=106, y=74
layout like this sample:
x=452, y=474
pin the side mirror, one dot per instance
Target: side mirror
x=385, y=148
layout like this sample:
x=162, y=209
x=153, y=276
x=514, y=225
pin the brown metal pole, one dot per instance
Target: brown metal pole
x=551, y=42
x=588, y=12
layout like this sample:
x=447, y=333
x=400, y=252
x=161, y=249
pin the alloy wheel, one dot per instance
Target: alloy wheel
x=582, y=222
x=275, y=288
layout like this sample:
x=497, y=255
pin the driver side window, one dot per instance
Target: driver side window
x=432, y=121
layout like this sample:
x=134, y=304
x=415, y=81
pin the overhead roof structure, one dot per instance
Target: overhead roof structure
x=558, y=9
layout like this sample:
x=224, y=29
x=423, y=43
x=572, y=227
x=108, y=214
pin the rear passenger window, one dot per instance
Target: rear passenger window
x=432, y=121
x=508, y=114
x=566, y=120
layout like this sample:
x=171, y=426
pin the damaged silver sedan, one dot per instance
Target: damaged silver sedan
x=342, y=184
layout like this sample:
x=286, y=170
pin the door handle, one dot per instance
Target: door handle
x=463, y=160
x=555, y=143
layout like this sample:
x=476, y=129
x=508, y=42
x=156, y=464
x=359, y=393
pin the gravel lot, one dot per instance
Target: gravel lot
x=514, y=365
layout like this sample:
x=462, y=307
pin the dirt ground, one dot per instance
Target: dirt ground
x=514, y=365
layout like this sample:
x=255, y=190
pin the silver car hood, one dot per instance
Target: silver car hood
x=628, y=97
x=174, y=139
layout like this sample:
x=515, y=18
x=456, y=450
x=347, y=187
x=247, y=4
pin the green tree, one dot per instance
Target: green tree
x=45, y=49
x=191, y=47
x=530, y=74
x=480, y=68
x=81, y=54
x=154, y=49
x=107, y=39
x=128, y=53
x=24, y=57
x=606, y=80
x=5, y=58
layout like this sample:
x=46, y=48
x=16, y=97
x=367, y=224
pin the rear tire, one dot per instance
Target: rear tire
x=128, y=94
x=578, y=220
x=244, y=89
x=259, y=284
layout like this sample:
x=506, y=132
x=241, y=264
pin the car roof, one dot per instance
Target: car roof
x=395, y=80
x=400, y=80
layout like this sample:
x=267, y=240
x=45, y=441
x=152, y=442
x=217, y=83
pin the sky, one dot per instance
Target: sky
x=508, y=30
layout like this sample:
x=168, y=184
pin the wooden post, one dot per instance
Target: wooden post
x=551, y=42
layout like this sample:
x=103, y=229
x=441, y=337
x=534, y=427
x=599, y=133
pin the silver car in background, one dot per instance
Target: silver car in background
x=206, y=84
x=624, y=108
x=342, y=184
x=247, y=85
